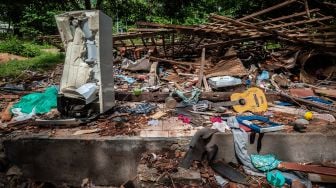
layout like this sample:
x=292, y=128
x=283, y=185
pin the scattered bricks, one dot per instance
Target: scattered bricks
x=186, y=176
x=6, y=115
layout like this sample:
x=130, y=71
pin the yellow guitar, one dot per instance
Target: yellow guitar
x=253, y=100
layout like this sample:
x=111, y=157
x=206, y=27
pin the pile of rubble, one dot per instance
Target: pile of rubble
x=264, y=72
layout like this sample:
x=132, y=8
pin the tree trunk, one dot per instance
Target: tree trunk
x=87, y=4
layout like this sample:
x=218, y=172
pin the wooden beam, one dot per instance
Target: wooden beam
x=173, y=43
x=201, y=73
x=267, y=10
x=164, y=44
x=172, y=61
x=307, y=8
x=226, y=19
x=230, y=42
x=300, y=22
x=286, y=17
x=313, y=34
x=167, y=26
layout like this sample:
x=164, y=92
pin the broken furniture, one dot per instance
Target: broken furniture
x=87, y=85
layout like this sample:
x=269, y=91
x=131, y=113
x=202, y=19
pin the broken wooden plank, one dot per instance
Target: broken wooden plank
x=307, y=8
x=325, y=34
x=167, y=26
x=230, y=67
x=286, y=17
x=233, y=41
x=300, y=22
x=171, y=61
x=152, y=81
x=206, y=85
x=201, y=73
x=326, y=92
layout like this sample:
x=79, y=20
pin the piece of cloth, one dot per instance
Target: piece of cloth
x=143, y=108
x=221, y=127
x=216, y=119
x=193, y=99
x=142, y=64
x=19, y=116
x=127, y=79
x=265, y=162
x=240, y=138
x=41, y=102
x=275, y=178
x=184, y=119
x=263, y=76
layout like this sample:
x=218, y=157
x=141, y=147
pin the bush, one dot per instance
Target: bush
x=14, y=46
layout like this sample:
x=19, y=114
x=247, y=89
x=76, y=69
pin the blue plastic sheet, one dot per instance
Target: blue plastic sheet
x=41, y=102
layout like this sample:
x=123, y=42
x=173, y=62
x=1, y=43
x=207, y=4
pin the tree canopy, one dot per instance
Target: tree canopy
x=36, y=17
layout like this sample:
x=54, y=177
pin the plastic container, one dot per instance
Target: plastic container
x=224, y=81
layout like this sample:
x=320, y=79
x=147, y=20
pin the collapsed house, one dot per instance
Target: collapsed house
x=216, y=82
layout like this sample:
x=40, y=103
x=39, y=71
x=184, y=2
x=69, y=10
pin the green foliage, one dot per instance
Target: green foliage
x=37, y=22
x=14, y=46
x=272, y=46
x=39, y=63
x=36, y=17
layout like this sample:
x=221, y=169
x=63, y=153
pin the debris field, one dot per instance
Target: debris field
x=264, y=72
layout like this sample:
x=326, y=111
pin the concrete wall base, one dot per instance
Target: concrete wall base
x=114, y=160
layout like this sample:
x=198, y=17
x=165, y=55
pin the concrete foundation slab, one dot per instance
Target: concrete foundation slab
x=114, y=160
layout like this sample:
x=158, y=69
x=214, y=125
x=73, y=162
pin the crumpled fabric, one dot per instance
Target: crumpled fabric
x=19, y=116
x=216, y=119
x=127, y=79
x=143, y=108
x=184, y=119
x=275, y=178
x=193, y=99
x=221, y=127
x=263, y=76
x=142, y=64
x=265, y=162
x=41, y=102
x=240, y=138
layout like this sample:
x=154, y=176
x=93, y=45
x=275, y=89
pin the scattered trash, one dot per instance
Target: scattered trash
x=221, y=126
x=143, y=108
x=260, y=74
x=139, y=65
x=153, y=122
x=127, y=79
x=221, y=181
